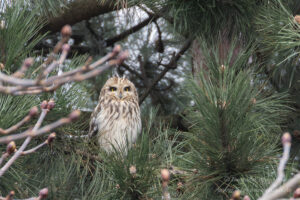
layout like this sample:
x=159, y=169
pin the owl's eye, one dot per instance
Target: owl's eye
x=112, y=89
x=127, y=89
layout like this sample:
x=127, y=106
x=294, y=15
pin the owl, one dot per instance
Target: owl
x=116, y=119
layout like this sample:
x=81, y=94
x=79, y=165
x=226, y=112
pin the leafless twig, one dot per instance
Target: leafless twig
x=15, y=85
x=29, y=134
x=169, y=66
x=42, y=195
x=286, y=142
x=275, y=192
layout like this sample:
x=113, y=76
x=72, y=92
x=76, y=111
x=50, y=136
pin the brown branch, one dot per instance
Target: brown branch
x=169, y=66
x=143, y=71
x=34, y=149
x=121, y=36
x=79, y=10
x=127, y=67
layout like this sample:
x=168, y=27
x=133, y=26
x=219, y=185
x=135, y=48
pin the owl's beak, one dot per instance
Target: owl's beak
x=120, y=95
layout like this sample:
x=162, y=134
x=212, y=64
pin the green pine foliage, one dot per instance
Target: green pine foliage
x=75, y=168
x=20, y=35
x=234, y=126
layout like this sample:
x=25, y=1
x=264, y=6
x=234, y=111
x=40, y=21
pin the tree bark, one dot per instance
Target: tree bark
x=79, y=10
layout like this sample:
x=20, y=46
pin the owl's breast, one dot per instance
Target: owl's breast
x=119, y=122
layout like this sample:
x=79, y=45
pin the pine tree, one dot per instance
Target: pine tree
x=240, y=91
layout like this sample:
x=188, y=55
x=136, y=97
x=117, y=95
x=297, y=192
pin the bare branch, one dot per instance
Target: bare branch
x=133, y=29
x=272, y=193
x=38, y=132
x=283, y=161
x=42, y=195
x=170, y=65
x=48, y=141
x=25, y=143
x=18, y=86
x=29, y=134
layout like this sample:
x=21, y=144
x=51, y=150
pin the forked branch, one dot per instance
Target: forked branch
x=30, y=133
x=15, y=84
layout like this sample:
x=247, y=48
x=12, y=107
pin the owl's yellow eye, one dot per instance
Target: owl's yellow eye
x=127, y=89
x=112, y=89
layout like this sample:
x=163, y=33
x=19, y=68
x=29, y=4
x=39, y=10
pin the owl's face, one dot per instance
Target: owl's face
x=119, y=89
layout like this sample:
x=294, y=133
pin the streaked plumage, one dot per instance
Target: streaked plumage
x=116, y=118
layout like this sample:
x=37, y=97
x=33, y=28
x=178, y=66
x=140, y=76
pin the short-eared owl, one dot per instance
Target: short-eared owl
x=116, y=119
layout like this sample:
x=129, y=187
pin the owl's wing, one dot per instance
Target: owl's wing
x=93, y=124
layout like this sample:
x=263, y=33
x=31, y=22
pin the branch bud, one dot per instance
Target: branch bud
x=2, y=66
x=165, y=175
x=43, y=193
x=11, y=148
x=246, y=197
x=10, y=195
x=44, y=104
x=297, y=193
x=66, y=47
x=132, y=170
x=50, y=104
x=179, y=186
x=66, y=31
x=286, y=138
x=74, y=115
x=33, y=111
x=222, y=68
x=236, y=195
x=51, y=137
x=117, y=49
x=297, y=18
x=28, y=62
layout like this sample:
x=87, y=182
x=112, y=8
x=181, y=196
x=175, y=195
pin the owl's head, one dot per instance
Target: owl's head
x=119, y=89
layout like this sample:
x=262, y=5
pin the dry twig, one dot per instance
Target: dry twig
x=42, y=195
x=169, y=66
x=274, y=191
x=29, y=134
x=15, y=85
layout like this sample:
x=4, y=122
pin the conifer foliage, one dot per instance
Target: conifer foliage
x=235, y=96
